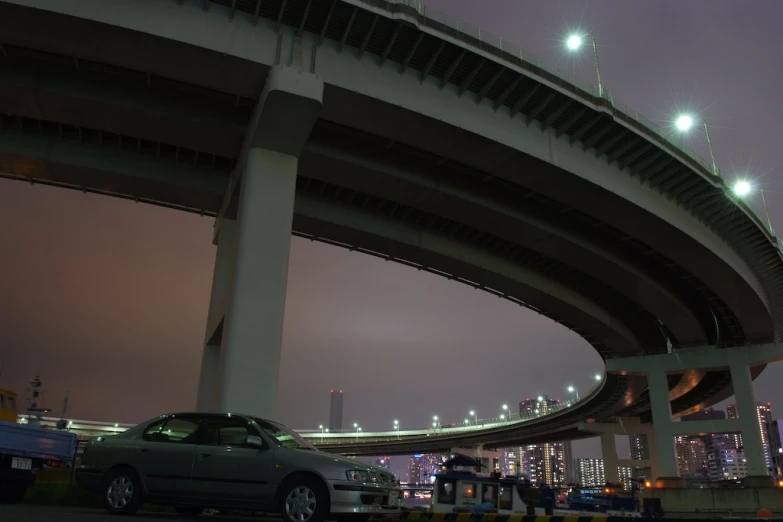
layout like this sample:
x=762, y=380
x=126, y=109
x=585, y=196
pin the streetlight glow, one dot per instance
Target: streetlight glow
x=505, y=406
x=598, y=377
x=472, y=412
x=742, y=188
x=574, y=42
x=684, y=122
x=540, y=398
x=571, y=389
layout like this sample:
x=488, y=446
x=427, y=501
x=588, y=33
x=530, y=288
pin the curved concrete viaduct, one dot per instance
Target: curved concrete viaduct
x=431, y=148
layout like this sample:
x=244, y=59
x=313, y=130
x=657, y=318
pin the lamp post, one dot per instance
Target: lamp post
x=358, y=429
x=742, y=188
x=684, y=123
x=321, y=427
x=475, y=417
x=397, y=428
x=437, y=422
x=574, y=42
x=571, y=389
x=505, y=409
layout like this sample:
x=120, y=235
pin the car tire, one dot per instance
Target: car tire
x=189, y=511
x=122, y=492
x=11, y=493
x=304, y=499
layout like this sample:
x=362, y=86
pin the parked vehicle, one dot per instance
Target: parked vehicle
x=196, y=461
x=24, y=450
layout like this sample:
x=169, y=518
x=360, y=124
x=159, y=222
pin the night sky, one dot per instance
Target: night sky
x=107, y=298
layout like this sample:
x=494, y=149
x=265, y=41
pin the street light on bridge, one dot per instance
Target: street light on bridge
x=684, y=123
x=743, y=187
x=598, y=376
x=397, y=427
x=571, y=389
x=475, y=417
x=574, y=43
x=321, y=427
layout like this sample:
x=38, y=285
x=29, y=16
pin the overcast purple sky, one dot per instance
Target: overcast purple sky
x=107, y=298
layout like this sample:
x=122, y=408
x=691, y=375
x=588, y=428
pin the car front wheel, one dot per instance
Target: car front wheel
x=122, y=492
x=304, y=499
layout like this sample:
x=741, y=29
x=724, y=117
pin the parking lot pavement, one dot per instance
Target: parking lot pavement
x=31, y=513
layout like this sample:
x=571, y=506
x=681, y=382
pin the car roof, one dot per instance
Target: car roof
x=214, y=414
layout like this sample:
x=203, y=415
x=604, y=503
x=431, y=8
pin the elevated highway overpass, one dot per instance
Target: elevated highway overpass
x=435, y=145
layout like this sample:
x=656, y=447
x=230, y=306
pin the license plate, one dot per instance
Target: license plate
x=23, y=464
x=393, y=495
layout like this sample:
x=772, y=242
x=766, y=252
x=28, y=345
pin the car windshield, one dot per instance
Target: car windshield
x=284, y=436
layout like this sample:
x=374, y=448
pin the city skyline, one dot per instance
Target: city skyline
x=101, y=284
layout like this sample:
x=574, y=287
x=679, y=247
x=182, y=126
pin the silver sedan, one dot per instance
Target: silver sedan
x=195, y=461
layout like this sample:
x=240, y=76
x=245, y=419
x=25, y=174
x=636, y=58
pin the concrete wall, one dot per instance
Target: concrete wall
x=735, y=502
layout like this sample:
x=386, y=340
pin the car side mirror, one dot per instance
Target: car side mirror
x=254, y=441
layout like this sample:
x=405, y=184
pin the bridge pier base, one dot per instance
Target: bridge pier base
x=738, y=360
x=246, y=314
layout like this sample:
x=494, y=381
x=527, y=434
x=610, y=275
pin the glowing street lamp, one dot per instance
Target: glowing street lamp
x=598, y=377
x=397, y=427
x=574, y=43
x=475, y=417
x=467, y=421
x=437, y=422
x=321, y=427
x=684, y=123
x=743, y=188
x=540, y=398
x=571, y=389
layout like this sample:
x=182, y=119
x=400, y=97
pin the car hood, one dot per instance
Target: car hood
x=339, y=460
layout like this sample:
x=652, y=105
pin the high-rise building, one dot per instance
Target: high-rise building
x=776, y=447
x=691, y=456
x=548, y=463
x=638, y=451
x=765, y=420
x=727, y=464
x=336, y=410
x=591, y=473
x=414, y=469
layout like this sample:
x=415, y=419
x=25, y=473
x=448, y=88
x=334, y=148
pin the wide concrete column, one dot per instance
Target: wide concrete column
x=253, y=324
x=666, y=454
x=609, y=452
x=753, y=447
x=221, y=279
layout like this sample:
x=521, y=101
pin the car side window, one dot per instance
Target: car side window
x=177, y=430
x=152, y=432
x=182, y=430
x=225, y=432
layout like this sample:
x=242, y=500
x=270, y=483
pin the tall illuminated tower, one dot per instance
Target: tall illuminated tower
x=336, y=410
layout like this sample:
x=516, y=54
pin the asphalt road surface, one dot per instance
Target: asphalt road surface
x=31, y=513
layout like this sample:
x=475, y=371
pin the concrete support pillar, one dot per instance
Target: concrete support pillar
x=609, y=452
x=253, y=326
x=749, y=421
x=209, y=380
x=662, y=419
x=254, y=304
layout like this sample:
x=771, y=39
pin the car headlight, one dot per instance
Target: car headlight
x=361, y=476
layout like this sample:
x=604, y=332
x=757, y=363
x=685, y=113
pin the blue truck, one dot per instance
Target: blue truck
x=25, y=450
